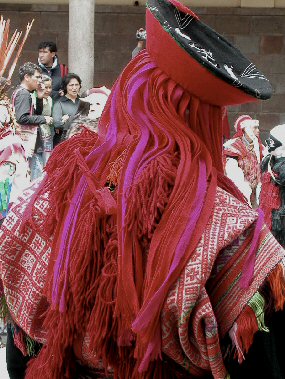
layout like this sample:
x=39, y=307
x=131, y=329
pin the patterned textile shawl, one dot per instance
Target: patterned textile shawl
x=23, y=265
x=198, y=330
x=200, y=308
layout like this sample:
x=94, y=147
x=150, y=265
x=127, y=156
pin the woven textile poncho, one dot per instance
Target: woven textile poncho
x=135, y=255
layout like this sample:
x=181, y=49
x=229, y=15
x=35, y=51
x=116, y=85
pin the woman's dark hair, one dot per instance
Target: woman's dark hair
x=67, y=79
x=83, y=108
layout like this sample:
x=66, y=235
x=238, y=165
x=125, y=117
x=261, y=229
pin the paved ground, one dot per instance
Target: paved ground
x=3, y=371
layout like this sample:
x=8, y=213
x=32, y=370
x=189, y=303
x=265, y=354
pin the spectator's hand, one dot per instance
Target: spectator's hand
x=64, y=118
x=49, y=120
x=60, y=92
x=41, y=91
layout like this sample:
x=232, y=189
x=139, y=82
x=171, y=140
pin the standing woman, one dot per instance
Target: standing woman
x=67, y=105
x=47, y=131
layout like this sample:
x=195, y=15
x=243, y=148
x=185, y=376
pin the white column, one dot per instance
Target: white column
x=81, y=40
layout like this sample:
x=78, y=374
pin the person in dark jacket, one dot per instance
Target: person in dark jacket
x=67, y=105
x=49, y=63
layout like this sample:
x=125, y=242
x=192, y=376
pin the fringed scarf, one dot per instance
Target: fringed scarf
x=126, y=217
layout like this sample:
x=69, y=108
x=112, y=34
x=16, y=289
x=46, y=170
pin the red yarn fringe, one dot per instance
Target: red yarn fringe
x=63, y=175
x=19, y=341
x=276, y=282
x=247, y=326
x=103, y=326
x=65, y=328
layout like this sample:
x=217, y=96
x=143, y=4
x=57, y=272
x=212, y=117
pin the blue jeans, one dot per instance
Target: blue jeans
x=36, y=163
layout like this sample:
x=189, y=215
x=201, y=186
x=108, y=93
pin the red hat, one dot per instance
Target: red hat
x=243, y=121
x=199, y=59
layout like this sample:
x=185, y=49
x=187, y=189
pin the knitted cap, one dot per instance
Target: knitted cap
x=200, y=59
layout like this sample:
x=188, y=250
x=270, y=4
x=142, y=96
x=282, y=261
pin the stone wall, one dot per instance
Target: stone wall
x=258, y=32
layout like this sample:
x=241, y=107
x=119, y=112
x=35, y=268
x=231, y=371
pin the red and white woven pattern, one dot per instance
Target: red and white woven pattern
x=199, y=312
x=201, y=306
x=23, y=264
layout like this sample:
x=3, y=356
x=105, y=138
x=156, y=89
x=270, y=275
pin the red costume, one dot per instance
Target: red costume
x=136, y=256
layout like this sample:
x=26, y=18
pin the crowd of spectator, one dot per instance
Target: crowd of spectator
x=47, y=102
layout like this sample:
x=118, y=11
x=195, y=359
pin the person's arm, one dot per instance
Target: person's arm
x=235, y=173
x=57, y=115
x=23, y=104
x=138, y=49
x=39, y=106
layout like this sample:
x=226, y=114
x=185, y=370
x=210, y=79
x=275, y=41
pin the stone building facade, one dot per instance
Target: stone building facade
x=258, y=32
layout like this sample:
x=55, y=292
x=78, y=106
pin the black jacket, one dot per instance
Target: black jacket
x=63, y=106
x=56, y=75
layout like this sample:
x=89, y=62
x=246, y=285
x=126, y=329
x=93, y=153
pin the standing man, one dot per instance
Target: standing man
x=141, y=39
x=28, y=113
x=48, y=62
